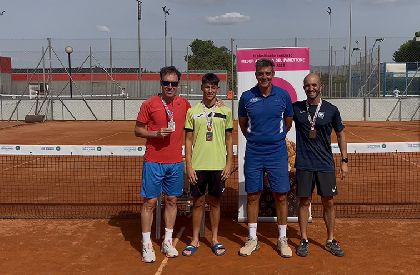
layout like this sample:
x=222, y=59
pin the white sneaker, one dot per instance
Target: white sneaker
x=249, y=247
x=148, y=253
x=284, y=248
x=168, y=249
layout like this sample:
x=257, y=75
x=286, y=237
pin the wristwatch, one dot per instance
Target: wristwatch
x=345, y=160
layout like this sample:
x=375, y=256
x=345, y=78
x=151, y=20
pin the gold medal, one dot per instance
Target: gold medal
x=209, y=120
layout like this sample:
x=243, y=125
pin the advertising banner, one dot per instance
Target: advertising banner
x=291, y=66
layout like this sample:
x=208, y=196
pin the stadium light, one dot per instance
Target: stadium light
x=138, y=40
x=373, y=47
x=329, y=11
x=354, y=49
x=69, y=50
x=165, y=12
x=349, y=91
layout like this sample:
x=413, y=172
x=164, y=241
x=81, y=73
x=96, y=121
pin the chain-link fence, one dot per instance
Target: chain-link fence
x=356, y=70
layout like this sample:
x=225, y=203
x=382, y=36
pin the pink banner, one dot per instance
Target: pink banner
x=285, y=59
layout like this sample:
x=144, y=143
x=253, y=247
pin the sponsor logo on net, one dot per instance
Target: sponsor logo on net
x=414, y=145
x=88, y=148
x=48, y=148
x=374, y=146
x=131, y=148
x=8, y=148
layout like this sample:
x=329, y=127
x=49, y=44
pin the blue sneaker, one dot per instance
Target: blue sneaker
x=302, y=249
x=334, y=248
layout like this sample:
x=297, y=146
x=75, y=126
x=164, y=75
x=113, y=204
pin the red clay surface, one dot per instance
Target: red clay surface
x=113, y=246
x=122, y=132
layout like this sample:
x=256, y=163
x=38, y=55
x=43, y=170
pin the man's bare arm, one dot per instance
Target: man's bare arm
x=243, y=124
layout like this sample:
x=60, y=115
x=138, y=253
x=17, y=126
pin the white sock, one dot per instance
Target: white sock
x=168, y=234
x=146, y=237
x=282, y=230
x=252, y=230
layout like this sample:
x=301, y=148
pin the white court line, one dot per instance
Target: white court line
x=411, y=162
x=89, y=142
x=406, y=139
x=165, y=261
x=350, y=132
x=23, y=163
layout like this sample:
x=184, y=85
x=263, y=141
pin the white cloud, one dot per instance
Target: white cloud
x=228, y=18
x=103, y=28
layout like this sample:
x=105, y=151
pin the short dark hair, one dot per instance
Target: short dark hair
x=263, y=63
x=169, y=70
x=210, y=78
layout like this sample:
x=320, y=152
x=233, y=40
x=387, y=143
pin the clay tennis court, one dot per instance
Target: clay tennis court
x=113, y=245
x=121, y=132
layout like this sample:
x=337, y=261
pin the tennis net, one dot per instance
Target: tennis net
x=69, y=181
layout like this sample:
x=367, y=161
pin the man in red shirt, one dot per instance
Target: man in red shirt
x=161, y=121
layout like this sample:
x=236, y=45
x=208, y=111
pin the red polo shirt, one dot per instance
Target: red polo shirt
x=153, y=114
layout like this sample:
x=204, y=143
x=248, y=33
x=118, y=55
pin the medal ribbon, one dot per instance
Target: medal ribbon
x=168, y=112
x=209, y=118
x=312, y=121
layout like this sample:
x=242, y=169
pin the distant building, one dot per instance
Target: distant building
x=93, y=82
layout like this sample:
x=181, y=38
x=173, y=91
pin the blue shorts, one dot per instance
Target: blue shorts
x=274, y=163
x=158, y=178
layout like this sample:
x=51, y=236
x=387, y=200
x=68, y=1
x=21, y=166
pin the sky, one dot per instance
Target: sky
x=250, y=23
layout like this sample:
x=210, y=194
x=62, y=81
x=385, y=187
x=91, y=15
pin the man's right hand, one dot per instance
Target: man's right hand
x=163, y=132
x=192, y=175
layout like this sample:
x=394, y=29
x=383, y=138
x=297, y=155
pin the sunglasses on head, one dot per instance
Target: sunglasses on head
x=167, y=83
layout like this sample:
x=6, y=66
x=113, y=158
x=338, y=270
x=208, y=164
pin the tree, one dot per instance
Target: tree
x=409, y=51
x=206, y=56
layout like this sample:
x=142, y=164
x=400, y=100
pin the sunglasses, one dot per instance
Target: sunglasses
x=171, y=83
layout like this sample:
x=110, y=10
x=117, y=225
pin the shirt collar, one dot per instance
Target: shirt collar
x=258, y=93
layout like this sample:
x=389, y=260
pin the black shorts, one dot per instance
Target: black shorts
x=208, y=179
x=306, y=180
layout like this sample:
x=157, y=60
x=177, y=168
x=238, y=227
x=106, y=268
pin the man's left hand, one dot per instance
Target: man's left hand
x=344, y=170
x=226, y=172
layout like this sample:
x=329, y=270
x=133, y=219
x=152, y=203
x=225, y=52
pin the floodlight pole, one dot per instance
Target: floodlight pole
x=139, y=41
x=379, y=70
x=349, y=47
x=69, y=50
x=165, y=13
x=329, y=11
x=112, y=77
x=232, y=65
x=371, y=60
x=373, y=47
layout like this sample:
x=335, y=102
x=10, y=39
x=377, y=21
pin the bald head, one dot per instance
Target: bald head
x=312, y=86
x=312, y=77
